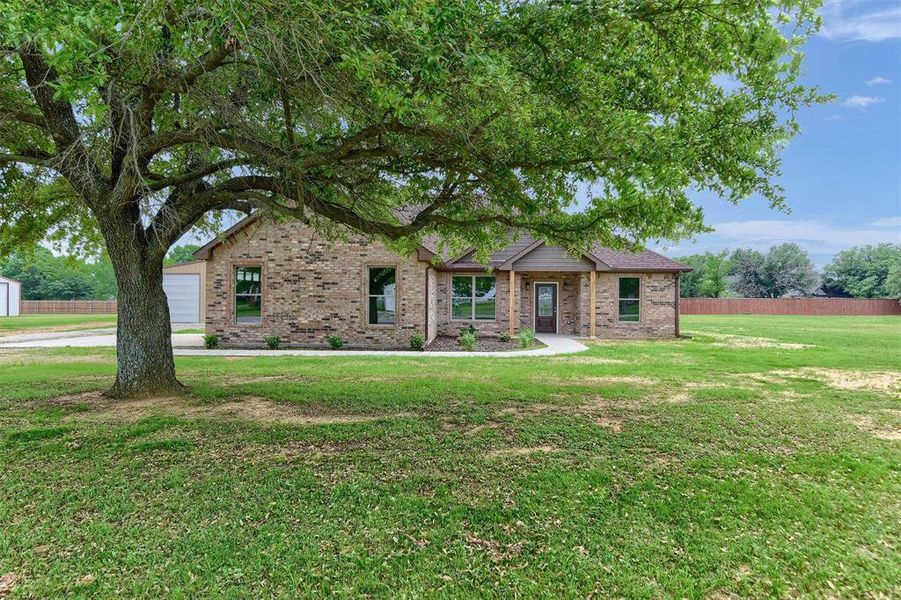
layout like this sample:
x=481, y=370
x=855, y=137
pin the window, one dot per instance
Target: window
x=382, y=295
x=629, y=299
x=473, y=298
x=248, y=295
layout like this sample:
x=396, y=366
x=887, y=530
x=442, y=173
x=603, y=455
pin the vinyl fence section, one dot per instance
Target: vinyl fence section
x=788, y=306
x=43, y=307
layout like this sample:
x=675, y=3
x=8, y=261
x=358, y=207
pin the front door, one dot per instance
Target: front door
x=546, y=307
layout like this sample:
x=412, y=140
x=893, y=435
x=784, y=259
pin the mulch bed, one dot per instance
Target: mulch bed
x=484, y=344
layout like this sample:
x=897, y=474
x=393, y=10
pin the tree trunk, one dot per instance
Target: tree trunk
x=145, y=366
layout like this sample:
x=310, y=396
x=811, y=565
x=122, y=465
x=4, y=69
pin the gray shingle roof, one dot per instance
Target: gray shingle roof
x=645, y=260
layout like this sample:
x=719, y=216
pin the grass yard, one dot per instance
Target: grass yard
x=53, y=322
x=758, y=459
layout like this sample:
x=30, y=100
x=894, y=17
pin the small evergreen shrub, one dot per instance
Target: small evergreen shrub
x=503, y=336
x=211, y=341
x=272, y=342
x=417, y=342
x=468, y=329
x=467, y=341
x=335, y=342
x=526, y=338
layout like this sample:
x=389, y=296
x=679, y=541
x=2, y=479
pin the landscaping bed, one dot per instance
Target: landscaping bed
x=446, y=343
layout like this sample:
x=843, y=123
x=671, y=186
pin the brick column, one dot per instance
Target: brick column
x=512, y=303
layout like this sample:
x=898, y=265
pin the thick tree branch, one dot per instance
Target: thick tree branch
x=177, y=180
x=73, y=160
x=28, y=118
x=32, y=157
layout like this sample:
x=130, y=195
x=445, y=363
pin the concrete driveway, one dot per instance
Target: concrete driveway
x=93, y=338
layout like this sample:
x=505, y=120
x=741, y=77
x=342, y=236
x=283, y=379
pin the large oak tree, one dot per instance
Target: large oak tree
x=127, y=123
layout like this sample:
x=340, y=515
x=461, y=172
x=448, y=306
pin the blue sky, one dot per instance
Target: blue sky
x=842, y=174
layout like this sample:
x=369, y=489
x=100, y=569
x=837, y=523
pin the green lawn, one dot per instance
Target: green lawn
x=759, y=458
x=54, y=322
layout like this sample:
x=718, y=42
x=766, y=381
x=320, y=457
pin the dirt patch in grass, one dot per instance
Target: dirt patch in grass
x=598, y=380
x=890, y=434
x=479, y=429
x=495, y=550
x=614, y=425
x=520, y=451
x=588, y=360
x=251, y=408
x=7, y=582
x=870, y=381
x=728, y=340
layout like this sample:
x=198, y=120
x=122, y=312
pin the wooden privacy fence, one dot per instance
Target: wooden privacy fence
x=43, y=307
x=788, y=306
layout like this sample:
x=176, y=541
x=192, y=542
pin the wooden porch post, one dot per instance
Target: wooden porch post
x=592, y=304
x=512, y=298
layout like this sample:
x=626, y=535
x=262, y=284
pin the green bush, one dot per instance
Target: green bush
x=417, y=341
x=211, y=341
x=468, y=329
x=335, y=342
x=503, y=336
x=272, y=342
x=526, y=338
x=467, y=341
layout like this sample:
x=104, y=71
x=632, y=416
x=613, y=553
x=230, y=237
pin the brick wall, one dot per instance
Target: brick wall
x=658, y=306
x=312, y=289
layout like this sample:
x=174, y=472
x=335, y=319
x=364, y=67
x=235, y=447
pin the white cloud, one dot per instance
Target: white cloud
x=862, y=101
x=872, y=20
x=819, y=238
x=887, y=222
x=878, y=80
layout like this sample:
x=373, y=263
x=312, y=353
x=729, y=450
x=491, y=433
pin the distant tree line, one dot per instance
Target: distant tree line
x=45, y=276
x=859, y=272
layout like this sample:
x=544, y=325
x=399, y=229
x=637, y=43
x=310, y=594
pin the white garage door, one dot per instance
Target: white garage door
x=183, y=292
x=4, y=299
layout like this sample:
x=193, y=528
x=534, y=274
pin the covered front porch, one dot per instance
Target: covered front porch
x=561, y=302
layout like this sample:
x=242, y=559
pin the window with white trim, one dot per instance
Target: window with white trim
x=630, y=299
x=248, y=295
x=382, y=295
x=473, y=298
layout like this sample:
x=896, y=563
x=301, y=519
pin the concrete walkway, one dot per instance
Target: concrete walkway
x=188, y=344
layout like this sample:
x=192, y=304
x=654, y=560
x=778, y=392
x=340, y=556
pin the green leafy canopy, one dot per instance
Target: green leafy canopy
x=578, y=121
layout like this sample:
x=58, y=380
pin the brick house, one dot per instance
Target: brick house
x=268, y=278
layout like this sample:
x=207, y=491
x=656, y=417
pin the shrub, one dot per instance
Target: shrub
x=272, y=342
x=335, y=342
x=526, y=338
x=503, y=336
x=468, y=329
x=467, y=341
x=417, y=341
x=211, y=341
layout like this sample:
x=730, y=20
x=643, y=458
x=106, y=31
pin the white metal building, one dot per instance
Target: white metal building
x=10, y=294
